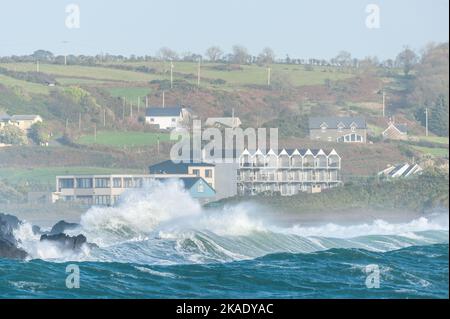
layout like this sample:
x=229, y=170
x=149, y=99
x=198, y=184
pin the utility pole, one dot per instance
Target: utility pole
x=198, y=71
x=104, y=117
x=268, y=76
x=171, y=74
x=138, y=103
x=79, y=121
x=426, y=121
x=164, y=99
x=146, y=102
x=384, y=103
x=157, y=144
x=123, y=109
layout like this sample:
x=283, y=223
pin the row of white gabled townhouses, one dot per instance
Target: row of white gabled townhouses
x=288, y=172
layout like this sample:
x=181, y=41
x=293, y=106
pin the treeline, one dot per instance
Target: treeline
x=238, y=55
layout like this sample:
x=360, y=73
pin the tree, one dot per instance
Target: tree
x=267, y=56
x=214, y=53
x=42, y=55
x=343, y=58
x=438, y=122
x=10, y=134
x=39, y=133
x=240, y=55
x=166, y=53
x=406, y=60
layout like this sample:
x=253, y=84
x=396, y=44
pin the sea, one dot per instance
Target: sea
x=158, y=242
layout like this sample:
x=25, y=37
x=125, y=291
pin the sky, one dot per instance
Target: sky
x=299, y=28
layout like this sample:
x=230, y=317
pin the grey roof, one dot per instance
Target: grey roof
x=24, y=117
x=164, y=111
x=4, y=117
x=332, y=122
x=169, y=167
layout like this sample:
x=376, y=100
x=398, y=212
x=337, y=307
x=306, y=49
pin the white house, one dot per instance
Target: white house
x=167, y=118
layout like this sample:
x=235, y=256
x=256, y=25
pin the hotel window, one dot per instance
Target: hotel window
x=152, y=119
x=102, y=200
x=174, y=119
x=117, y=182
x=128, y=182
x=208, y=173
x=66, y=183
x=102, y=183
x=196, y=172
x=84, y=183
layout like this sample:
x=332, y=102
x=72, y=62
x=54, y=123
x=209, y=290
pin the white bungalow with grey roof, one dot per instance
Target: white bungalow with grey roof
x=167, y=118
x=338, y=129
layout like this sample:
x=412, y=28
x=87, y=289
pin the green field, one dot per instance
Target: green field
x=435, y=152
x=435, y=139
x=28, y=87
x=83, y=72
x=47, y=175
x=121, y=139
x=249, y=74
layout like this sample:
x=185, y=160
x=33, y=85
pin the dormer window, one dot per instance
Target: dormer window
x=353, y=126
x=323, y=126
x=340, y=126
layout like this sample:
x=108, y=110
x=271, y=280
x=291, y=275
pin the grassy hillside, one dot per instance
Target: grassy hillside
x=424, y=192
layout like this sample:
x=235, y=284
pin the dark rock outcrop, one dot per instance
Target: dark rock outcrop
x=61, y=226
x=8, y=243
x=66, y=241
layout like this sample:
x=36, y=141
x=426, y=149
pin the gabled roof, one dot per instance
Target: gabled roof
x=333, y=122
x=401, y=128
x=164, y=111
x=169, y=167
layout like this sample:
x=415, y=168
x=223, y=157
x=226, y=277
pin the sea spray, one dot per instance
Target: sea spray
x=161, y=225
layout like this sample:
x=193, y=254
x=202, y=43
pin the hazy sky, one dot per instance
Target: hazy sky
x=300, y=28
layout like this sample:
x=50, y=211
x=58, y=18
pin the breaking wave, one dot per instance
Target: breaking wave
x=163, y=225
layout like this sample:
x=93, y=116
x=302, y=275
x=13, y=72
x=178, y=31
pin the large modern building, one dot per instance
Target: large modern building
x=338, y=129
x=107, y=189
x=288, y=172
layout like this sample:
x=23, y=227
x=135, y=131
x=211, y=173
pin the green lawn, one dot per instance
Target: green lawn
x=435, y=152
x=120, y=139
x=47, y=175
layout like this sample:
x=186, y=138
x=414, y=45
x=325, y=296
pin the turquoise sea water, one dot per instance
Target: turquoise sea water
x=160, y=243
x=413, y=272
